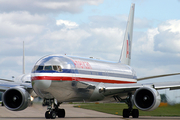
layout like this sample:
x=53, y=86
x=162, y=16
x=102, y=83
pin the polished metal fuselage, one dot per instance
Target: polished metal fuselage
x=80, y=79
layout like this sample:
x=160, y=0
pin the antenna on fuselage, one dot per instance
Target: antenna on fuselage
x=23, y=60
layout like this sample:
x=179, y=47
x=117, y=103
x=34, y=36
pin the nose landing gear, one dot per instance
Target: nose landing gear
x=53, y=109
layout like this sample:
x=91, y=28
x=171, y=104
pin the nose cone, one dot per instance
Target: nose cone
x=40, y=83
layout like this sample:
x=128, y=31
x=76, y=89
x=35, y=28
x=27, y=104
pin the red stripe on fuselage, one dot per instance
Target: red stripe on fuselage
x=78, y=79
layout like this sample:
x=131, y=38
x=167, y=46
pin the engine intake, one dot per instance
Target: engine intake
x=16, y=99
x=146, y=98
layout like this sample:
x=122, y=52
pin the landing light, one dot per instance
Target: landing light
x=32, y=98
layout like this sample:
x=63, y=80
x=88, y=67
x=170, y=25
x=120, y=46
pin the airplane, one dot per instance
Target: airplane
x=62, y=78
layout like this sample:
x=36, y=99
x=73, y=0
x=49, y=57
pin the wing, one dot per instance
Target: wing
x=112, y=89
x=5, y=85
x=157, y=76
x=6, y=80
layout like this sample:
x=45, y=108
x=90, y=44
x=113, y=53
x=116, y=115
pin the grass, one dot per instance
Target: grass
x=117, y=108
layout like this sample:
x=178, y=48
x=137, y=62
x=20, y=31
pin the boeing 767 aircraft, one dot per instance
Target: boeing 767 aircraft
x=61, y=78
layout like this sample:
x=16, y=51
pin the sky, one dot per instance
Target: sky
x=89, y=28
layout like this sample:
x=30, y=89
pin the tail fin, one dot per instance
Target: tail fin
x=126, y=49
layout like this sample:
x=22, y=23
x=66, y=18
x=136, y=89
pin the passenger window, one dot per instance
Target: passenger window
x=48, y=68
x=40, y=68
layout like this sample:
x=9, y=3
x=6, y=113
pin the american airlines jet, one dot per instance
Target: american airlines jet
x=61, y=78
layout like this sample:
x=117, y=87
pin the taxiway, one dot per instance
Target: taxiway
x=36, y=112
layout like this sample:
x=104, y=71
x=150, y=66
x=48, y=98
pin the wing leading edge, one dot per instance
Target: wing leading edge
x=111, y=89
x=117, y=88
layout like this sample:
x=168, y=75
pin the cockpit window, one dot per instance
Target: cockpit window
x=55, y=68
x=35, y=68
x=48, y=68
x=40, y=68
x=59, y=68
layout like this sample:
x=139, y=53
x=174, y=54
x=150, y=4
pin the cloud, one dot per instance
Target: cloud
x=16, y=27
x=67, y=24
x=163, y=39
x=20, y=24
x=145, y=43
x=168, y=39
x=142, y=23
x=107, y=21
x=171, y=26
x=46, y=6
x=156, y=51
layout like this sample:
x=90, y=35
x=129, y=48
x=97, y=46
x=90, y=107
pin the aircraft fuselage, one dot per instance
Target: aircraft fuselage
x=68, y=78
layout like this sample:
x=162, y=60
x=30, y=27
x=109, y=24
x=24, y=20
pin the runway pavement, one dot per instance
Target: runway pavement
x=36, y=112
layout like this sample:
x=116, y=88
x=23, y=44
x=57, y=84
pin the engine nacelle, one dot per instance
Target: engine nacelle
x=146, y=98
x=16, y=99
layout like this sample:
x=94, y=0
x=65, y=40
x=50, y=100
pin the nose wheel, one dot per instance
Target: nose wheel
x=50, y=115
x=61, y=113
x=53, y=109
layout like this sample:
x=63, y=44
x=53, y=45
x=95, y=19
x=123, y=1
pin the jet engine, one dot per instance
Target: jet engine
x=16, y=99
x=146, y=98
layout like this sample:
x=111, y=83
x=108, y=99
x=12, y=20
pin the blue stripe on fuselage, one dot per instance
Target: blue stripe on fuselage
x=53, y=71
x=88, y=72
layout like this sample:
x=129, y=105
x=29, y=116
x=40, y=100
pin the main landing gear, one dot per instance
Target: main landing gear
x=53, y=109
x=130, y=111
